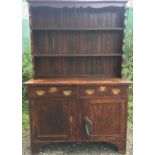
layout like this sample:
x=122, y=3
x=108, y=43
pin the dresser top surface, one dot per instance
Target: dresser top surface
x=77, y=81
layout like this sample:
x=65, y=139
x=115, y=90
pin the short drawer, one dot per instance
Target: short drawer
x=49, y=91
x=114, y=91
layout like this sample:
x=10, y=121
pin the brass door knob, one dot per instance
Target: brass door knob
x=102, y=88
x=40, y=92
x=90, y=91
x=67, y=92
x=53, y=90
x=115, y=91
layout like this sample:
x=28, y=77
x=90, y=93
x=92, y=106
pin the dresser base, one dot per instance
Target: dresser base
x=73, y=103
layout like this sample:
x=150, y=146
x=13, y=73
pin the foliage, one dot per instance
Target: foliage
x=127, y=69
x=25, y=36
x=128, y=48
x=130, y=114
x=26, y=73
x=25, y=116
x=128, y=61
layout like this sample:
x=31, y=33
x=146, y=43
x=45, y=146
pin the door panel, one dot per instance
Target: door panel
x=106, y=115
x=53, y=118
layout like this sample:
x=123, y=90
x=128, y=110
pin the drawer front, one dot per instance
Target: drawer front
x=49, y=91
x=100, y=91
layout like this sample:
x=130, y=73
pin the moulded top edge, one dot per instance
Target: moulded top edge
x=77, y=81
x=77, y=4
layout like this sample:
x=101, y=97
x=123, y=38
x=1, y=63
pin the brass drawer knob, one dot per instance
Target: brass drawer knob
x=67, y=92
x=116, y=91
x=89, y=91
x=40, y=92
x=53, y=90
x=102, y=89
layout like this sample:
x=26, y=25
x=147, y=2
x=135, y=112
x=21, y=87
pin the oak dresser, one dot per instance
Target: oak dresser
x=77, y=93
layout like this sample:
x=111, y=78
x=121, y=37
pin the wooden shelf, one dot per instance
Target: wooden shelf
x=80, y=29
x=76, y=55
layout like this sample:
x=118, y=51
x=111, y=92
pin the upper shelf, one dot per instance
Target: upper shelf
x=80, y=29
x=77, y=3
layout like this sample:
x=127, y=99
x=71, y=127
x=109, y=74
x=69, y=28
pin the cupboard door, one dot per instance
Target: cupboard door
x=51, y=118
x=103, y=118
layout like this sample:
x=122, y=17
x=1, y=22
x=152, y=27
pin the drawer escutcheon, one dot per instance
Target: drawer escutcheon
x=53, y=90
x=67, y=92
x=102, y=88
x=116, y=91
x=40, y=92
x=90, y=91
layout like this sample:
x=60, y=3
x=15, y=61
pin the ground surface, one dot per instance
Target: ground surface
x=77, y=149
